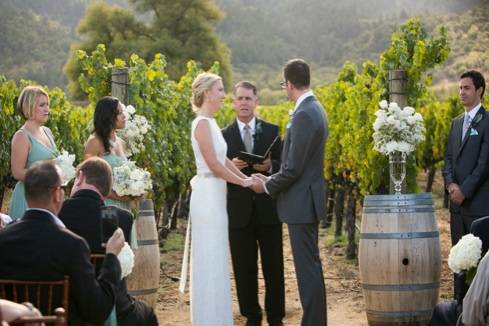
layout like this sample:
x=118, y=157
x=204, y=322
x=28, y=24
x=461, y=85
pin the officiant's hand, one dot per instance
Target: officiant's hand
x=239, y=164
x=263, y=167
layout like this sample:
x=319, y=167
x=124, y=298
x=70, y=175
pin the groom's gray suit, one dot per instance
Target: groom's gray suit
x=300, y=192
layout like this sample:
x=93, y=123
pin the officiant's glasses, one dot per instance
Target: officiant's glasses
x=283, y=84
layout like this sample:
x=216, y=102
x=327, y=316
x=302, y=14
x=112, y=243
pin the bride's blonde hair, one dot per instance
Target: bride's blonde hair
x=203, y=82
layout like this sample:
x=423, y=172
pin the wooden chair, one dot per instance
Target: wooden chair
x=97, y=260
x=44, y=295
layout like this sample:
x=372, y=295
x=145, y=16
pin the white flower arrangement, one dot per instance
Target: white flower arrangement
x=133, y=134
x=65, y=162
x=126, y=259
x=465, y=255
x=129, y=180
x=397, y=129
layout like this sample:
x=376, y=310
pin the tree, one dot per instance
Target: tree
x=181, y=30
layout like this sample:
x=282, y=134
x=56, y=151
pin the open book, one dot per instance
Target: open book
x=251, y=158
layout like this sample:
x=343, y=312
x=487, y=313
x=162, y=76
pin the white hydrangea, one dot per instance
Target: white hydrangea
x=129, y=180
x=65, y=162
x=397, y=129
x=136, y=127
x=126, y=259
x=465, y=254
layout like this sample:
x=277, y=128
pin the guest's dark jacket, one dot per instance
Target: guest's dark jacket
x=35, y=248
x=81, y=214
x=240, y=200
x=467, y=163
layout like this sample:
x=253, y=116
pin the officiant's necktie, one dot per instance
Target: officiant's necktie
x=247, y=139
x=466, y=125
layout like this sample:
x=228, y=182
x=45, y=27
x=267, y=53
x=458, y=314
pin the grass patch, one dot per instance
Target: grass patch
x=174, y=242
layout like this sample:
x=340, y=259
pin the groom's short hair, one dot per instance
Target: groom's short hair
x=296, y=71
x=98, y=173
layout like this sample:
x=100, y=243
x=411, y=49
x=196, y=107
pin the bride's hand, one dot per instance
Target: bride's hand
x=246, y=183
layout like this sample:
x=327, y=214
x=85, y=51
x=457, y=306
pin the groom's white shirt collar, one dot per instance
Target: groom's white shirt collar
x=302, y=98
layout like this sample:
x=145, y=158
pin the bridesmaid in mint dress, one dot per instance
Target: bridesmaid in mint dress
x=32, y=142
x=103, y=142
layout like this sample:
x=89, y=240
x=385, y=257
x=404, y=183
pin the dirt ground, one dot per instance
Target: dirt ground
x=345, y=300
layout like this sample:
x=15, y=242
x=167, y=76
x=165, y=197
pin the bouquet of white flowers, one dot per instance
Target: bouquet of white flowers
x=397, y=129
x=65, y=162
x=133, y=134
x=465, y=256
x=129, y=180
x=126, y=259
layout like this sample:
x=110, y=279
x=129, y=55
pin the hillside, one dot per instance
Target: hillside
x=262, y=35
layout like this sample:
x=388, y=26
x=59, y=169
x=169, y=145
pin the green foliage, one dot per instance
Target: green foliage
x=181, y=30
x=352, y=100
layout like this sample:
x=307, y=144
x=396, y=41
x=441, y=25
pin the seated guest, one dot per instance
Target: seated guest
x=82, y=213
x=39, y=247
x=11, y=311
x=476, y=301
x=447, y=313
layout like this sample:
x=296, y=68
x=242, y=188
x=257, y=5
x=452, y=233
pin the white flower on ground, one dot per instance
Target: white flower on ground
x=465, y=254
x=126, y=259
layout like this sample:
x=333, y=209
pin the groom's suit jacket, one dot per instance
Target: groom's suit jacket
x=467, y=163
x=240, y=200
x=299, y=184
x=35, y=248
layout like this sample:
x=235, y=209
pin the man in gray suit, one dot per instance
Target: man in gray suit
x=299, y=188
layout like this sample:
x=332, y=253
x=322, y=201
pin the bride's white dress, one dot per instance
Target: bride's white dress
x=210, y=284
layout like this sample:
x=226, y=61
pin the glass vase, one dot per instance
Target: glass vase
x=397, y=169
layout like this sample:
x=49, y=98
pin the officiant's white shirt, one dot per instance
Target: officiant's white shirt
x=251, y=124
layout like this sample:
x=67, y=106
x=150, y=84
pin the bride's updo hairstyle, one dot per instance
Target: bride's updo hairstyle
x=202, y=83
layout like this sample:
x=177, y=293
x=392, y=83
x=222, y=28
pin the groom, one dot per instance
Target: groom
x=299, y=188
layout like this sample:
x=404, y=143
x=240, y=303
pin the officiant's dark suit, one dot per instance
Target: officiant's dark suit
x=253, y=220
x=466, y=170
x=82, y=213
x=39, y=248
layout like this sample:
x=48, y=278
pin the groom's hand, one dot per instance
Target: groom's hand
x=239, y=164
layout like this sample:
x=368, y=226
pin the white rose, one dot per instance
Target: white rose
x=383, y=104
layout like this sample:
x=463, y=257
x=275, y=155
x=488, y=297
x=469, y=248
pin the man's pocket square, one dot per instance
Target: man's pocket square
x=473, y=132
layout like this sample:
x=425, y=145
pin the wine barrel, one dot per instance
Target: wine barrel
x=399, y=259
x=142, y=283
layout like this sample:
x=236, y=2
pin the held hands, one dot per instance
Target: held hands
x=115, y=243
x=456, y=195
x=259, y=183
x=247, y=182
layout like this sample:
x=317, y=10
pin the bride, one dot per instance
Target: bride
x=210, y=293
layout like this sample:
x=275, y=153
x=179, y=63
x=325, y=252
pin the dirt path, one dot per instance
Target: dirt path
x=345, y=300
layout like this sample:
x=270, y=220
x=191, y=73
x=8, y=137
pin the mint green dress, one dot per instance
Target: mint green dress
x=38, y=152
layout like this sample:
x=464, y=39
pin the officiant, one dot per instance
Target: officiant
x=253, y=219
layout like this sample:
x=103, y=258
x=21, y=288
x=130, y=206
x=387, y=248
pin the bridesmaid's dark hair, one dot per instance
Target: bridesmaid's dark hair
x=104, y=118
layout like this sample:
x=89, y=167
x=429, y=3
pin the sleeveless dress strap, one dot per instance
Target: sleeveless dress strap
x=49, y=133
